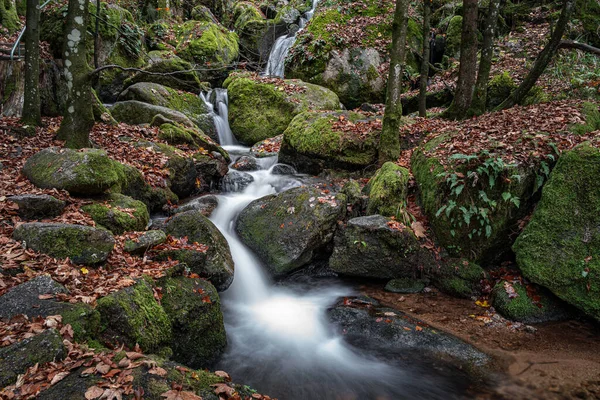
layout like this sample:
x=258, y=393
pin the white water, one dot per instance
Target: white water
x=218, y=99
x=283, y=44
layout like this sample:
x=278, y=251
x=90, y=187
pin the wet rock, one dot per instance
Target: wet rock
x=267, y=148
x=283, y=169
x=216, y=263
x=144, y=242
x=82, y=244
x=132, y=315
x=245, y=163
x=370, y=247
x=459, y=278
x=136, y=112
x=16, y=358
x=405, y=285
x=205, y=204
x=119, y=213
x=388, y=190
x=288, y=230
x=37, y=206
x=210, y=170
x=155, y=198
x=84, y=172
x=236, y=181
x=194, y=309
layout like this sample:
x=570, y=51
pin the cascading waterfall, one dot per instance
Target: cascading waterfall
x=279, y=339
x=282, y=45
x=217, y=102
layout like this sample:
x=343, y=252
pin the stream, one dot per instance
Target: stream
x=280, y=341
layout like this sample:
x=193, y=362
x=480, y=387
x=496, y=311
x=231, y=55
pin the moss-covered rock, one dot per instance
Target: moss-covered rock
x=453, y=35
x=210, y=171
x=259, y=110
x=35, y=206
x=135, y=186
x=253, y=30
x=194, y=309
x=216, y=263
x=559, y=247
x=405, y=285
x=82, y=244
x=368, y=247
x=80, y=172
x=388, y=189
x=514, y=302
x=312, y=142
x=474, y=202
x=591, y=112
x=144, y=242
x=499, y=88
x=288, y=230
x=136, y=112
x=119, y=213
x=16, y=358
x=460, y=278
x=195, y=138
x=132, y=315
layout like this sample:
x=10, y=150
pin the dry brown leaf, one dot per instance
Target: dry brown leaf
x=158, y=371
x=59, y=377
x=93, y=393
x=180, y=395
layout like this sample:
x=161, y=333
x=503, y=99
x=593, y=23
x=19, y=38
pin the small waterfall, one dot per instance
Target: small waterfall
x=218, y=102
x=283, y=44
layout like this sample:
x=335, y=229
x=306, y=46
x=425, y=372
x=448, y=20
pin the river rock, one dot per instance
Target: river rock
x=119, y=213
x=210, y=170
x=84, y=172
x=559, y=247
x=16, y=358
x=136, y=113
x=260, y=109
x=37, y=206
x=133, y=316
x=405, y=285
x=205, y=204
x=283, y=169
x=215, y=263
x=144, y=242
x=194, y=309
x=246, y=163
x=159, y=95
x=135, y=186
x=314, y=141
x=82, y=244
x=387, y=190
x=236, y=181
x=459, y=278
x=369, y=247
x=290, y=229
x=267, y=148
x=193, y=137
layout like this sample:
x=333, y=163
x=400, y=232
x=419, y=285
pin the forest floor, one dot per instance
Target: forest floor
x=555, y=360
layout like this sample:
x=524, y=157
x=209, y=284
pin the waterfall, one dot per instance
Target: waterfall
x=217, y=102
x=283, y=44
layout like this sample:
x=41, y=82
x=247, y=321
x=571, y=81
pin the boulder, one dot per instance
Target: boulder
x=205, y=204
x=194, y=309
x=459, y=278
x=133, y=316
x=453, y=36
x=144, y=242
x=267, y=148
x=559, y=247
x=216, y=263
x=82, y=244
x=388, y=190
x=529, y=304
x=283, y=169
x=290, y=229
x=196, y=139
x=119, y=213
x=210, y=170
x=135, y=186
x=370, y=247
x=261, y=108
x=317, y=140
x=84, y=172
x=246, y=163
x=405, y=285
x=236, y=181
x=136, y=112
x=16, y=358
x=38, y=206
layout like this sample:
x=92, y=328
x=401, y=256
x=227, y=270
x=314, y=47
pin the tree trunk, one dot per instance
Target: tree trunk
x=9, y=18
x=31, y=104
x=468, y=63
x=425, y=60
x=485, y=63
x=389, y=142
x=79, y=117
x=542, y=60
x=570, y=44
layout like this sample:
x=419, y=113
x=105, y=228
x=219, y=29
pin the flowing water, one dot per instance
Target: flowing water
x=280, y=342
x=217, y=102
x=282, y=45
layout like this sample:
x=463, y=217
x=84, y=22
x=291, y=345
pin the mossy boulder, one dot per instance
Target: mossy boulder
x=290, y=229
x=132, y=315
x=136, y=112
x=81, y=244
x=180, y=74
x=135, y=186
x=119, y=213
x=474, y=202
x=453, y=36
x=144, y=242
x=313, y=141
x=259, y=110
x=42, y=348
x=459, y=278
x=210, y=170
x=369, y=247
x=529, y=304
x=215, y=263
x=193, y=137
x=36, y=206
x=499, y=88
x=194, y=309
x=254, y=29
x=205, y=204
x=591, y=113
x=80, y=172
x=405, y=285
x=559, y=247
x=388, y=189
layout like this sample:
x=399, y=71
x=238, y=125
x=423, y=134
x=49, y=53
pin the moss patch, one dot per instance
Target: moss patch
x=388, y=191
x=119, y=213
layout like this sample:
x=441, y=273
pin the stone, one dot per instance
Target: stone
x=290, y=229
x=38, y=206
x=135, y=112
x=210, y=171
x=236, y=181
x=81, y=244
x=267, y=148
x=246, y=163
x=145, y=242
x=459, y=278
x=369, y=247
x=388, y=190
x=205, y=204
x=119, y=213
x=283, y=169
x=405, y=286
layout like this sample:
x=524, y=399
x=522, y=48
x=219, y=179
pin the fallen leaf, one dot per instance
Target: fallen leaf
x=93, y=393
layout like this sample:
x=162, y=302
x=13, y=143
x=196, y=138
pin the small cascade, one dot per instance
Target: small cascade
x=283, y=44
x=218, y=103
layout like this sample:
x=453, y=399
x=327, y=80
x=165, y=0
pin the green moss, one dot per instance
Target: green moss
x=535, y=96
x=499, y=88
x=9, y=19
x=174, y=134
x=388, y=191
x=119, y=213
x=84, y=320
x=203, y=43
x=592, y=119
x=460, y=278
x=453, y=35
